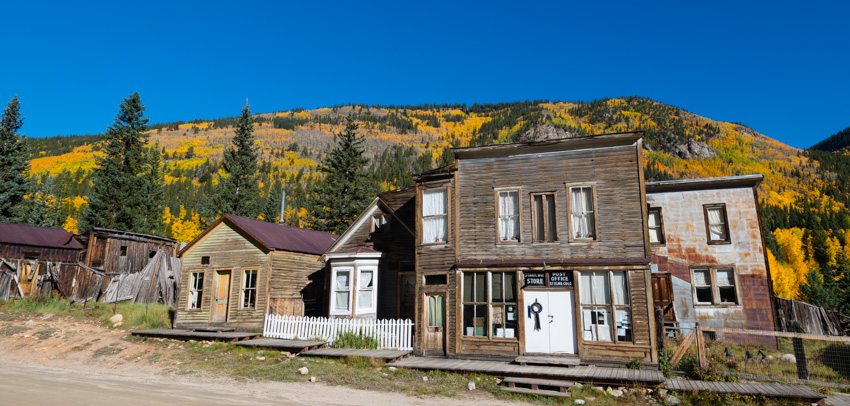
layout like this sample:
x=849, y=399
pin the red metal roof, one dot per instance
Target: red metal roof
x=49, y=237
x=282, y=237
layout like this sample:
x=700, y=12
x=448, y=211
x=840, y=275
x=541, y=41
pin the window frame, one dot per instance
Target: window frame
x=612, y=307
x=373, y=289
x=380, y=224
x=192, y=289
x=497, y=193
x=660, y=226
x=422, y=215
x=336, y=270
x=705, y=209
x=716, y=300
x=595, y=216
x=547, y=228
x=491, y=305
x=243, y=290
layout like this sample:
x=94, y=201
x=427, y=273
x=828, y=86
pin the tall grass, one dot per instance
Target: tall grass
x=135, y=315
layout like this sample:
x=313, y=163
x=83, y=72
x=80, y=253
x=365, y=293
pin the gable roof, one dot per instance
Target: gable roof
x=273, y=236
x=48, y=237
x=376, y=204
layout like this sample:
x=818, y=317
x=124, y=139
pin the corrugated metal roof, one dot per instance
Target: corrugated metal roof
x=49, y=237
x=283, y=237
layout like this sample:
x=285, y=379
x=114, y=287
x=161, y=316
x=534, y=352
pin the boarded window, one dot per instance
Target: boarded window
x=508, y=206
x=249, y=289
x=716, y=223
x=434, y=216
x=544, y=219
x=606, y=306
x=487, y=294
x=581, y=213
x=205, y=260
x=656, y=229
x=123, y=250
x=196, y=290
x=715, y=286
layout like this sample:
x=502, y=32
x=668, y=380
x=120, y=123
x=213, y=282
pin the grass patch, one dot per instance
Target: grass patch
x=135, y=315
x=44, y=334
x=356, y=340
x=81, y=347
x=106, y=351
x=12, y=330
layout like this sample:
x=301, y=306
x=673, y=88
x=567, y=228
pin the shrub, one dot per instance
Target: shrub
x=350, y=339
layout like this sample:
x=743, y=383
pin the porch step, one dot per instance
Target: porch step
x=539, y=392
x=535, y=384
x=547, y=360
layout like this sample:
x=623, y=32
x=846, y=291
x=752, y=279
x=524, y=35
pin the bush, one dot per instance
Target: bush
x=351, y=339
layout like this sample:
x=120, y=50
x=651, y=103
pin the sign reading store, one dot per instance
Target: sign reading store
x=552, y=279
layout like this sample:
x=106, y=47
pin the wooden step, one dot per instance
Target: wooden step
x=539, y=392
x=547, y=360
x=512, y=381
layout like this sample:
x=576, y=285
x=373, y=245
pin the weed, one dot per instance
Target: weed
x=106, y=351
x=11, y=330
x=356, y=340
x=44, y=334
x=80, y=347
x=634, y=365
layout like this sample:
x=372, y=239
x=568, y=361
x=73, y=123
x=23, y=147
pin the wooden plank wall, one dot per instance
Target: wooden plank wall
x=15, y=251
x=296, y=276
x=614, y=173
x=227, y=249
x=104, y=252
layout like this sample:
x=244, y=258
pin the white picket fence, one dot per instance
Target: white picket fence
x=391, y=334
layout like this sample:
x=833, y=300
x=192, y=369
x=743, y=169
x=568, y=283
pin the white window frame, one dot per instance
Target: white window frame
x=245, y=290
x=373, y=289
x=501, y=218
x=336, y=269
x=193, y=290
x=445, y=214
x=613, y=307
x=355, y=266
x=659, y=226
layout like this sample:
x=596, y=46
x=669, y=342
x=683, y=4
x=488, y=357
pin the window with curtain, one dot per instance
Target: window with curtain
x=656, y=229
x=365, y=289
x=605, y=306
x=341, y=290
x=249, y=288
x=544, y=220
x=716, y=223
x=196, y=290
x=581, y=212
x=714, y=286
x=434, y=216
x=436, y=311
x=509, y=215
x=490, y=304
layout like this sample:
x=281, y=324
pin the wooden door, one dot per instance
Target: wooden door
x=221, y=301
x=435, y=325
x=407, y=296
x=662, y=293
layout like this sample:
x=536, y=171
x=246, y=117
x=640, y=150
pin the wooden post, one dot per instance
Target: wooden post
x=701, y=348
x=659, y=332
x=683, y=348
x=799, y=352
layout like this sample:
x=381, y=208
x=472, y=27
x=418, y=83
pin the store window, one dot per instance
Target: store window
x=490, y=304
x=606, y=307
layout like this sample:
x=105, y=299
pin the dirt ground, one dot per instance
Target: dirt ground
x=49, y=359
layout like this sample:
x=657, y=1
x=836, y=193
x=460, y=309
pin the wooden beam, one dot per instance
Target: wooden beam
x=842, y=339
x=700, y=348
x=680, y=352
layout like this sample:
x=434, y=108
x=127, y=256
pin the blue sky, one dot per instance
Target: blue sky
x=781, y=68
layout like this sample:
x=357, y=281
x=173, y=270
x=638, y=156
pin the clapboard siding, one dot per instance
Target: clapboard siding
x=226, y=249
x=614, y=173
x=298, y=276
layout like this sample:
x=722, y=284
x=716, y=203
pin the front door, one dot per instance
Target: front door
x=550, y=322
x=435, y=318
x=222, y=296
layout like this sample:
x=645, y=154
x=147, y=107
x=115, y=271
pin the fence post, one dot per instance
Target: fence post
x=660, y=333
x=701, y=348
x=799, y=352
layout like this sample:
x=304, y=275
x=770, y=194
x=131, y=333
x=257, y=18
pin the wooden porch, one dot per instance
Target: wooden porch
x=186, y=335
x=385, y=355
x=293, y=346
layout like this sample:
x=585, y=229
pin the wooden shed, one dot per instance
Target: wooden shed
x=239, y=269
x=32, y=257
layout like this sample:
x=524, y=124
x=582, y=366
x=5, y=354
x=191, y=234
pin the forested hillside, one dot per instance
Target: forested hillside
x=804, y=195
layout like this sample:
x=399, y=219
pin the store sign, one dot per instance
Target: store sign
x=535, y=279
x=561, y=279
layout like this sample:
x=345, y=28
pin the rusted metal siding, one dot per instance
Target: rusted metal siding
x=686, y=247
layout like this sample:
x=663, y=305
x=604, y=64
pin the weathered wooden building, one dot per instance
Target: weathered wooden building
x=375, y=252
x=709, y=262
x=239, y=269
x=534, y=248
x=32, y=257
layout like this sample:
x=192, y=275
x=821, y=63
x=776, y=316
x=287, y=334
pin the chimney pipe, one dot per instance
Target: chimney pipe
x=282, y=207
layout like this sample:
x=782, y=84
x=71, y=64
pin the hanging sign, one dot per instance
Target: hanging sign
x=535, y=279
x=562, y=279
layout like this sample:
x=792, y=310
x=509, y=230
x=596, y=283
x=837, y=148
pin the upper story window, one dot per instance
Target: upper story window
x=508, y=204
x=582, y=213
x=434, y=216
x=716, y=223
x=714, y=286
x=543, y=217
x=381, y=224
x=655, y=226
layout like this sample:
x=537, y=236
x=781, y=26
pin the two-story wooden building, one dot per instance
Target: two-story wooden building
x=534, y=248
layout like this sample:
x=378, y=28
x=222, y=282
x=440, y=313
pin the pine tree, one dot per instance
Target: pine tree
x=151, y=194
x=271, y=207
x=345, y=190
x=238, y=192
x=117, y=180
x=14, y=163
x=41, y=206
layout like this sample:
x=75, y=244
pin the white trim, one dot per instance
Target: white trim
x=347, y=267
x=346, y=235
x=352, y=255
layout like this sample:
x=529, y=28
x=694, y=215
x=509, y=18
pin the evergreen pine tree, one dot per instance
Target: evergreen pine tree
x=14, y=163
x=345, y=190
x=151, y=194
x=115, y=199
x=239, y=191
x=41, y=206
x=271, y=207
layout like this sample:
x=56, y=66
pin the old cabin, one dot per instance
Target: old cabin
x=239, y=269
x=375, y=252
x=709, y=263
x=32, y=258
